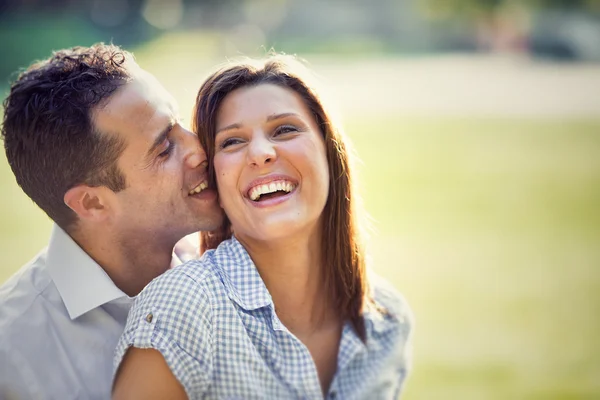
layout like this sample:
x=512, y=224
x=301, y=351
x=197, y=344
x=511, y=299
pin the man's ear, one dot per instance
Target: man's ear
x=89, y=203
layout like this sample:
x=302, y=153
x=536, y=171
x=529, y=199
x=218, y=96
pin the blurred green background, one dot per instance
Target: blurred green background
x=478, y=127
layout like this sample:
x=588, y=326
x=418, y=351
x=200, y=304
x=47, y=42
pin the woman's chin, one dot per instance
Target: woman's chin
x=268, y=234
x=276, y=228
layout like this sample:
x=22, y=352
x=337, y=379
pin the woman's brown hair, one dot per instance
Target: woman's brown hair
x=343, y=254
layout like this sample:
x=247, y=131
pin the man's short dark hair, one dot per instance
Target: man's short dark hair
x=49, y=136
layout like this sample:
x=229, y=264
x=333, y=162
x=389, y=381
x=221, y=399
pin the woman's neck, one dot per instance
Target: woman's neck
x=293, y=273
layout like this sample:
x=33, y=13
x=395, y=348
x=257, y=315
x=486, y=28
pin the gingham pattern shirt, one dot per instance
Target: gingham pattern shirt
x=214, y=322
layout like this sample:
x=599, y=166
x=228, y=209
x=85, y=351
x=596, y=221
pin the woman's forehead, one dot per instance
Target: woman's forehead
x=250, y=103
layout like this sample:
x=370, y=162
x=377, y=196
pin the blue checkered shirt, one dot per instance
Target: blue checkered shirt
x=214, y=322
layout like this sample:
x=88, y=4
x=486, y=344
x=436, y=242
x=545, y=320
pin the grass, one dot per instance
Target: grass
x=489, y=226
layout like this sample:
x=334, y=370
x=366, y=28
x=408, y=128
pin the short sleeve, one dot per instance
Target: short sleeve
x=173, y=315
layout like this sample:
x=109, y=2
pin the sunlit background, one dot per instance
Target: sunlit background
x=478, y=126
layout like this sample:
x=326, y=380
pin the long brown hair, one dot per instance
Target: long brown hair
x=343, y=256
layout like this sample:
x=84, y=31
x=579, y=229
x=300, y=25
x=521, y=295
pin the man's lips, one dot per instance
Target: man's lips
x=199, y=188
x=201, y=191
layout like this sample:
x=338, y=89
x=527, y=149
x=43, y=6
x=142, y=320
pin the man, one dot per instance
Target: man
x=95, y=142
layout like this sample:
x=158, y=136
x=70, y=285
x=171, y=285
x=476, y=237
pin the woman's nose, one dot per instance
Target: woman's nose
x=261, y=151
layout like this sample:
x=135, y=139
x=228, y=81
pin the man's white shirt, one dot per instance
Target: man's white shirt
x=61, y=317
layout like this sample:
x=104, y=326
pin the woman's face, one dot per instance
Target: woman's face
x=270, y=163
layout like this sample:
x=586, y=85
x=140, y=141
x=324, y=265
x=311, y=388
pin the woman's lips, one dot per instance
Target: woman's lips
x=269, y=184
x=271, y=201
x=284, y=186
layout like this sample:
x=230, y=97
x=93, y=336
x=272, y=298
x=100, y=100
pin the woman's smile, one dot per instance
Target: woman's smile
x=270, y=163
x=270, y=190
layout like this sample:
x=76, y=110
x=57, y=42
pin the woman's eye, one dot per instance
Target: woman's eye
x=229, y=142
x=285, y=129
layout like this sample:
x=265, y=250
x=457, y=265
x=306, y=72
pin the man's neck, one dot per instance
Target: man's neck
x=131, y=263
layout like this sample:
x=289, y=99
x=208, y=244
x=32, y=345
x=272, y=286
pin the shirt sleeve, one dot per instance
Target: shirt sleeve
x=405, y=361
x=173, y=315
x=400, y=315
x=17, y=380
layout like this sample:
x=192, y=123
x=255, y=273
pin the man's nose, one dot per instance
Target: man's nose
x=261, y=151
x=194, y=153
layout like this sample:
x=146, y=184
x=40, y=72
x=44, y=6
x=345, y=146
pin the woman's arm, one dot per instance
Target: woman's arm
x=144, y=374
x=166, y=351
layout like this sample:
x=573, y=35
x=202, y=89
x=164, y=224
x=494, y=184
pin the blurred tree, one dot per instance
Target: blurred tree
x=36, y=27
x=469, y=9
x=586, y=5
x=506, y=25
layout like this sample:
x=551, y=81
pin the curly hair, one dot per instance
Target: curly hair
x=49, y=136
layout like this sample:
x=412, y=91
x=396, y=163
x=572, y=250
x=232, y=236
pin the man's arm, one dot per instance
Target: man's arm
x=144, y=374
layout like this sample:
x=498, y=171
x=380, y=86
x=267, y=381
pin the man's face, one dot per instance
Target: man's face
x=164, y=166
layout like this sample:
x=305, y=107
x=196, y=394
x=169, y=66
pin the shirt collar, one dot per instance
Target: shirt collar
x=245, y=287
x=82, y=284
x=242, y=281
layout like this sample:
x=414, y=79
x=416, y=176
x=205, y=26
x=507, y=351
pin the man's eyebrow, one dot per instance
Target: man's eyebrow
x=269, y=119
x=160, y=138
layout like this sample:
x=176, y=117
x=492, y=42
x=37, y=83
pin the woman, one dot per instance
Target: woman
x=282, y=308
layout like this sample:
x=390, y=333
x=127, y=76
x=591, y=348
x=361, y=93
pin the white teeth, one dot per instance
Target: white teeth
x=199, y=188
x=271, y=187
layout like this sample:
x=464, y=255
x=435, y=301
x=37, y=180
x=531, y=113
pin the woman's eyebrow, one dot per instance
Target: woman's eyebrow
x=282, y=115
x=270, y=118
x=228, y=127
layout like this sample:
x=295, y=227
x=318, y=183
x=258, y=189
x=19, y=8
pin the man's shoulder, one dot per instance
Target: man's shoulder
x=25, y=291
x=27, y=300
x=43, y=352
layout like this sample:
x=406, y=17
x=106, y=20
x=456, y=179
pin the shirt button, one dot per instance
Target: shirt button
x=149, y=318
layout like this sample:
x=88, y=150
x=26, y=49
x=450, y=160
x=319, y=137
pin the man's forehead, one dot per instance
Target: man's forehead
x=141, y=108
x=142, y=84
x=152, y=88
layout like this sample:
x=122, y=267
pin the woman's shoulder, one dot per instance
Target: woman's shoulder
x=175, y=315
x=193, y=285
x=389, y=301
x=178, y=304
x=201, y=280
x=184, y=279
